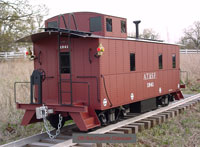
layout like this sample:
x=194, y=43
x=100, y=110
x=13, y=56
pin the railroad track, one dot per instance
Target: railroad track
x=132, y=123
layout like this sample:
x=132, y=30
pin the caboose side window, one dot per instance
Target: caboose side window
x=108, y=25
x=95, y=24
x=132, y=61
x=160, y=61
x=173, y=61
x=64, y=62
x=123, y=26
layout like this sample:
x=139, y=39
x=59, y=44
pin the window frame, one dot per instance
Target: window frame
x=94, y=26
x=52, y=24
x=107, y=30
x=124, y=26
x=173, y=61
x=65, y=69
x=132, y=64
x=160, y=62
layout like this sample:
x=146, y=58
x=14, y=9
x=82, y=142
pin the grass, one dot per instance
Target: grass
x=10, y=72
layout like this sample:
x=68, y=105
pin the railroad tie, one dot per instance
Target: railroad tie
x=192, y=104
x=187, y=106
x=172, y=113
x=166, y=114
x=134, y=128
x=125, y=130
x=176, y=111
x=163, y=117
x=147, y=123
x=141, y=126
x=196, y=101
x=180, y=109
x=153, y=121
x=157, y=118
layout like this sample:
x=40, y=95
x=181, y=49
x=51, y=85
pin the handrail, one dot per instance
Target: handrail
x=104, y=83
x=15, y=92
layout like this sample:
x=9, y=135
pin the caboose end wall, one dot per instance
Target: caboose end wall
x=84, y=69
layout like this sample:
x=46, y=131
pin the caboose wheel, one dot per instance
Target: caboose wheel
x=54, y=120
x=166, y=101
x=162, y=101
x=103, y=119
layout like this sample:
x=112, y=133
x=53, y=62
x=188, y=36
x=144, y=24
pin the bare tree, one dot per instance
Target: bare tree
x=191, y=38
x=150, y=34
x=18, y=18
x=147, y=34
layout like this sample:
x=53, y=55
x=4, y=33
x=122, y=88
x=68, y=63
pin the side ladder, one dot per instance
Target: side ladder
x=65, y=80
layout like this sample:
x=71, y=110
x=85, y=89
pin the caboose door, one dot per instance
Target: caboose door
x=65, y=82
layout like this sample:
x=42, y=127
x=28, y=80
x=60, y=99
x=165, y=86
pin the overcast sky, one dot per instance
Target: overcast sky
x=166, y=17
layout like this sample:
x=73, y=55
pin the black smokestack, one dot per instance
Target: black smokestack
x=137, y=28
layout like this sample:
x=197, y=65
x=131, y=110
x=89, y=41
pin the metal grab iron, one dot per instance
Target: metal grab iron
x=36, y=80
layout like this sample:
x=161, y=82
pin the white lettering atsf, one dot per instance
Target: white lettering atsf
x=150, y=76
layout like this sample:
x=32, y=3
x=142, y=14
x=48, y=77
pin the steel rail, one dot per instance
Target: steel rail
x=42, y=139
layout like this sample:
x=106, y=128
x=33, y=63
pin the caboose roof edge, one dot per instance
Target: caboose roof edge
x=134, y=39
x=85, y=12
x=36, y=36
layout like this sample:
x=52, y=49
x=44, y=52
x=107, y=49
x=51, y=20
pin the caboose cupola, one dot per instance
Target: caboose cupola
x=96, y=23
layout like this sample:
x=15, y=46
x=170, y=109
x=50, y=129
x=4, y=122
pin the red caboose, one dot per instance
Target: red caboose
x=88, y=70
